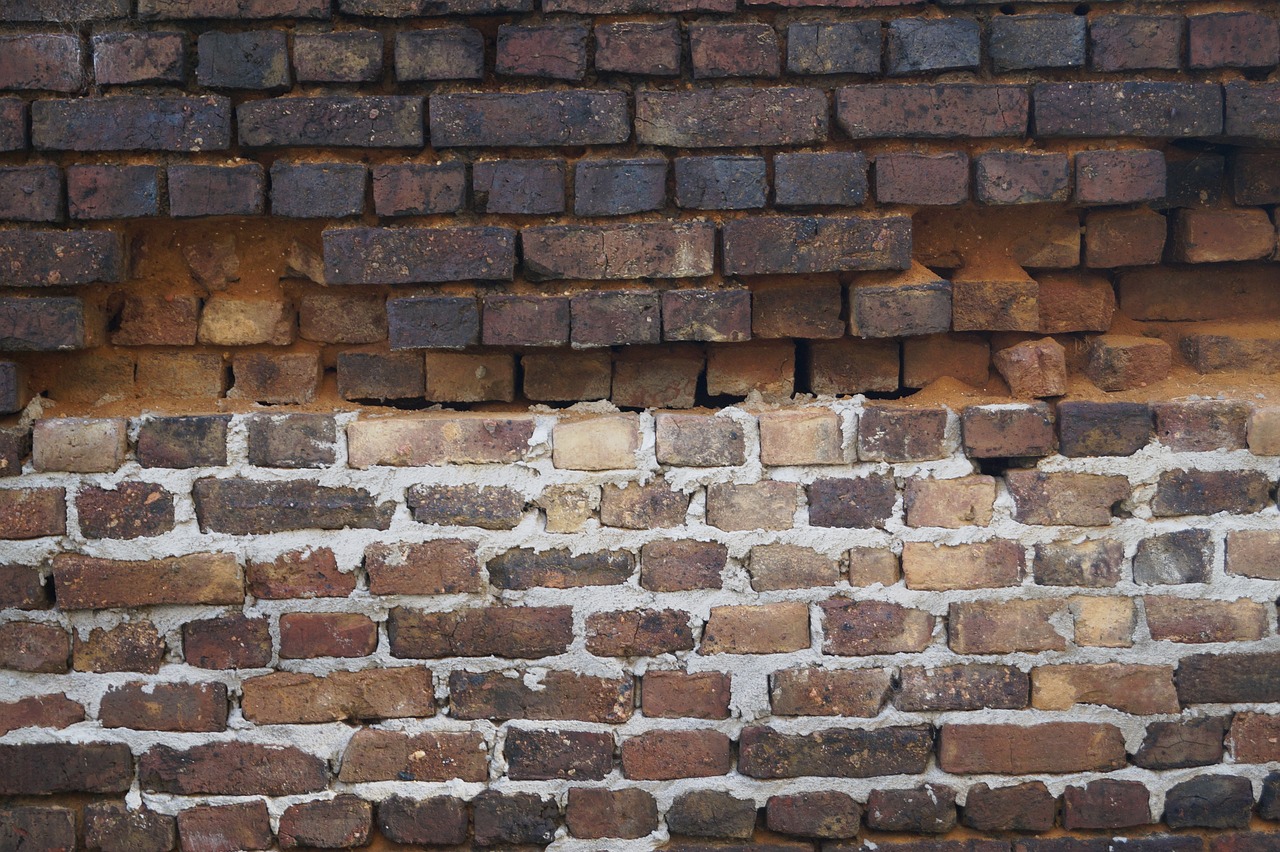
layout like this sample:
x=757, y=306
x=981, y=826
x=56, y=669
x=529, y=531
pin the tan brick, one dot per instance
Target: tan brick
x=789, y=566
x=1254, y=553
x=979, y=565
x=1034, y=368
x=242, y=322
x=182, y=375
x=699, y=440
x=764, y=505
x=1142, y=690
x=1193, y=621
x=597, y=443
x=1264, y=431
x=803, y=436
x=642, y=507
x=568, y=507
x=470, y=377
x=1054, y=747
x=829, y=692
x=418, y=441
x=764, y=629
x=1216, y=236
x=1004, y=627
x=950, y=503
x=1104, y=622
x=871, y=565
x=289, y=698
x=79, y=445
x=1070, y=499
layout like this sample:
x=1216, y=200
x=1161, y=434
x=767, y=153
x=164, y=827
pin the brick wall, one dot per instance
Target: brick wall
x=699, y=425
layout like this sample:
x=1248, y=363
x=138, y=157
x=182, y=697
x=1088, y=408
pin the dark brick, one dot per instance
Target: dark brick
x=523, y=568
x=338, y=823
x=733, y=50
x=825, y=814
x=797, y=245
x=437, y=820
x=1232, y=40
x=1133, y=42
x=352, y=56
x=514, y=818
x=13, y=124
x=526, y=320
x=38, y=828
x=1119, y=177
x=567, y=375
x=637, y=47
x=256, y=59
x=246, y=507
x=1103, y=428
x=529, y=187
x=495, y=508
x=231, y=9
x=112, y=192
x=1193, y=182
x=669, y=566
x=619, y=187
x=1014, y=177
x=133, y=646
x=556, y=51
x=60, y=258
x=417, y=255
x=15, y=448
x=529, y=119
x=731, y=117
x=834, y=752
x=13, y=398
x=1128, y=109
x=186, y=707
x=433, y=322
x=1252, y=110
x=382, y=376
x=350, y=317
x=414, y=8
x=706, y=315
x=231, y=768
x=1209, y=801
x=1020, y=42
x=619, y=251
x=111, y=827
x=593, y=813
x=1182, y=556
x=720, y=182
x=414, y=189
x=834, y=178
x=963, y=687
x=45, y=61
x=271, y=378
x=859, y=503
x=930, y=45
x=512, y=632
x=40, y=769
x=902, y=433
x=131, y=510
x=30, y=193
x=183, y=442
x=227, y=642
x=444, y=53
x=132, y=124
x=1269, y=801
x=368, y=121
x=809, y=309
x=940, y=111
x=560, y=695
x=930, y=809
x=63, y=11
x=32, y=647
x=1089, y=564
x=852, y=366
x=1002, y=432
x=21, y=587
x=1228, y=678
x=245, y=825
x=1197, y=492
x=615, y=317
x=217, y=190
x=712, y=813
x=317, y=190
x=550, y=755
x=1106, y=804
x=833, y=47
x=911, y=178
x=1022, y=807
x=292, y=440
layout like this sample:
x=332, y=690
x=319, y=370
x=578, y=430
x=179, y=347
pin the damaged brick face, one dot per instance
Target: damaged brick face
x=808, y=426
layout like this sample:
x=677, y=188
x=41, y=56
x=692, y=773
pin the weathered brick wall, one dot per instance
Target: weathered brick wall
x=853, y=425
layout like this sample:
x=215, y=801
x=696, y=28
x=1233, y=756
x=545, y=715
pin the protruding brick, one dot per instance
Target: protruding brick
x=1073, y=301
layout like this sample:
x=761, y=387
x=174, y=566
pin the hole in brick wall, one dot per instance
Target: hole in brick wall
x=1119, y=511
x=1006, y=9
x=1082, y=9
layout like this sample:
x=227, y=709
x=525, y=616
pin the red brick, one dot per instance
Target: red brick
x=1015, y=177
x=32, y=647
x=560, y=695
x=1198, y=621
x=227, y=642
x=767, y=366
x=40, y=711
x=1215, y=236
x=828, y=692
x=733, y=50
x=368, y=121
x=305, y=635
x=514, y=320
x=1124, y=238
x=638, y=633
x=669, y=755
x=1007, y=431
x=131, y=646
x=556, y=51
x=634, y=47
x=47, y=61
x=217, y=190
x=376, y=755
x=85, y=582
x=764, y=629
x=513, y=632
x=835, y=752
x=128, y=123
x=940, y=111
x=442, y=53
x=731, y=117
x=285, y=698
x=32, y=512
x=415, y=189
x=112, y=827
x=342, y=822
x=39, y=769
x=676, y=695
x=1232, y=40
x=188, y=707
x=232, y=768
x=132, y=510
x=225, y=828
x=550, y=118
x=827, y=814
x=1053, y=747
x=446, y=566
x=627, y=813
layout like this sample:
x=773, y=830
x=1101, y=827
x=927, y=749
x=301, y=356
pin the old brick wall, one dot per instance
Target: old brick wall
x=801, y=425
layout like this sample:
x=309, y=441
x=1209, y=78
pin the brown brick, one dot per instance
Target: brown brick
x=182, y=375
x=657, y=377
x=29, y=324
x=43, y=828
x=901, y=433
x=1007, y=431
x=1103, y=428
x=1183, y=743
x=1069, y=499
x=439, y=819
x=1106, y=804
x=828, y=692
x=628, y=813
x=1137, y=689
x=183, y=442
x=445, y=566
x=455, y=439
x=380, y=375
x=146, y=320
x=523, y=568
x=32, y=647
x=568, y=376
x=801, y=437
x=1216, y=236
x=929, y=809
x=467, y=377
x=997, y=298
x=712, y=813
x=674, y=566
x=466, y=505
x=560, y=695
x=1254, y=738
x=860, y=503
x=305, y=635
x=767, y=366
x=707, y=315
x=79, y=445
x=375, y=755
x=300, y=574
x=514, y=819
x=338, y=823
x=825, y=814
x=904, y=177
x=670, y=755
x=32, y=512
x=111, y=827
x=231, y=768
x=677, y=695
x=973, y=686
x=619, y=251
x=275, y=378
x=245, y=825
x=1264, y=431
x=1017, y=177
x=1122, y=362
x=1124, y=238
x=1254, y=553
x=353, y=56
x=1004, y=627
x=286, y=698
x=227, y=642
x=225, y=321
x=1091, y=564
x=1209, y=801
x=1021, y=807
x=977, y=565
x=861, y=628
x=132, y=646
x=131, y=510
x=1197, y=621
x=835, y=752
x=1202, y=425
x=696, y=440
x=292, y=440
x=950, y=503
x=568, y=508
x=40, y=711
x=249, y=507
x=1033, y=368
x=764, y=629
x=514, y=632
x=765, y=505
x=1053, y=747
x=1119, y=177
x=190, y=707
x=23, y=587
x=789, y=566
x=87, y=582
x=633, y=47
x=899, y=304
x=638, y=633
x=39, y=769
x=15, y=448
x=1104, y=622
x=550, y=755
x=342, y=318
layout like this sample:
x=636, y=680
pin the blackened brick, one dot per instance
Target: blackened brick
x=1021, y=807
x=338, y=823
x=231, y=768
x=370, y=121
x=130, y=58
x=706, y=315
x=41, y=325
x=1020, y=42
x=13, y=124
x=1133, y=42
x=731, y=117
x=112, y=192
x=1252, y=109
x=436, y=820
x=318, y=190
x=863, y=502
x=381, y=376
x=48, y=61
x=243, y=9
x=183, y=442
x=352, y=56
x=556, y=51
x=1228, y=678
x=21, y=587
x=614, y=251
x=246, y=507
x=417, y=255
x=940, y=111
x=1014, y=177
x=733, y=50
x=1232, y=40
x=444, y=53
x=42, y=768
x=796, y=245
x=531, y=187
x=712, y=813
x=415, y=189
x=834, y=752
x=934, y=179
x=64, y=11
x=292, y=440
x=513, y=819
x=131, y=510
x=930, y=809
x=615, y=317
x=1128, y=109
x=529, y=119
x=1193, y=182
x=1181, y=556
x=256, y=59
x=433, y=322
x=1209, y=801
x=526, y=320
x=217, y=190
x=548, y=755
x=619, y=187
x=227, y=642
x=835, y=178
x=638, y=47
x=833, y=47
x=558, y=569
x=1106, y=804
x=31, y=193
x=112, y=827
x=720, y=182
x=61, y=258
x=929, y=45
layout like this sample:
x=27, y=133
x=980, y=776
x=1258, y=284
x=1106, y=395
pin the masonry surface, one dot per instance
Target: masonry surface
x=698, y=425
